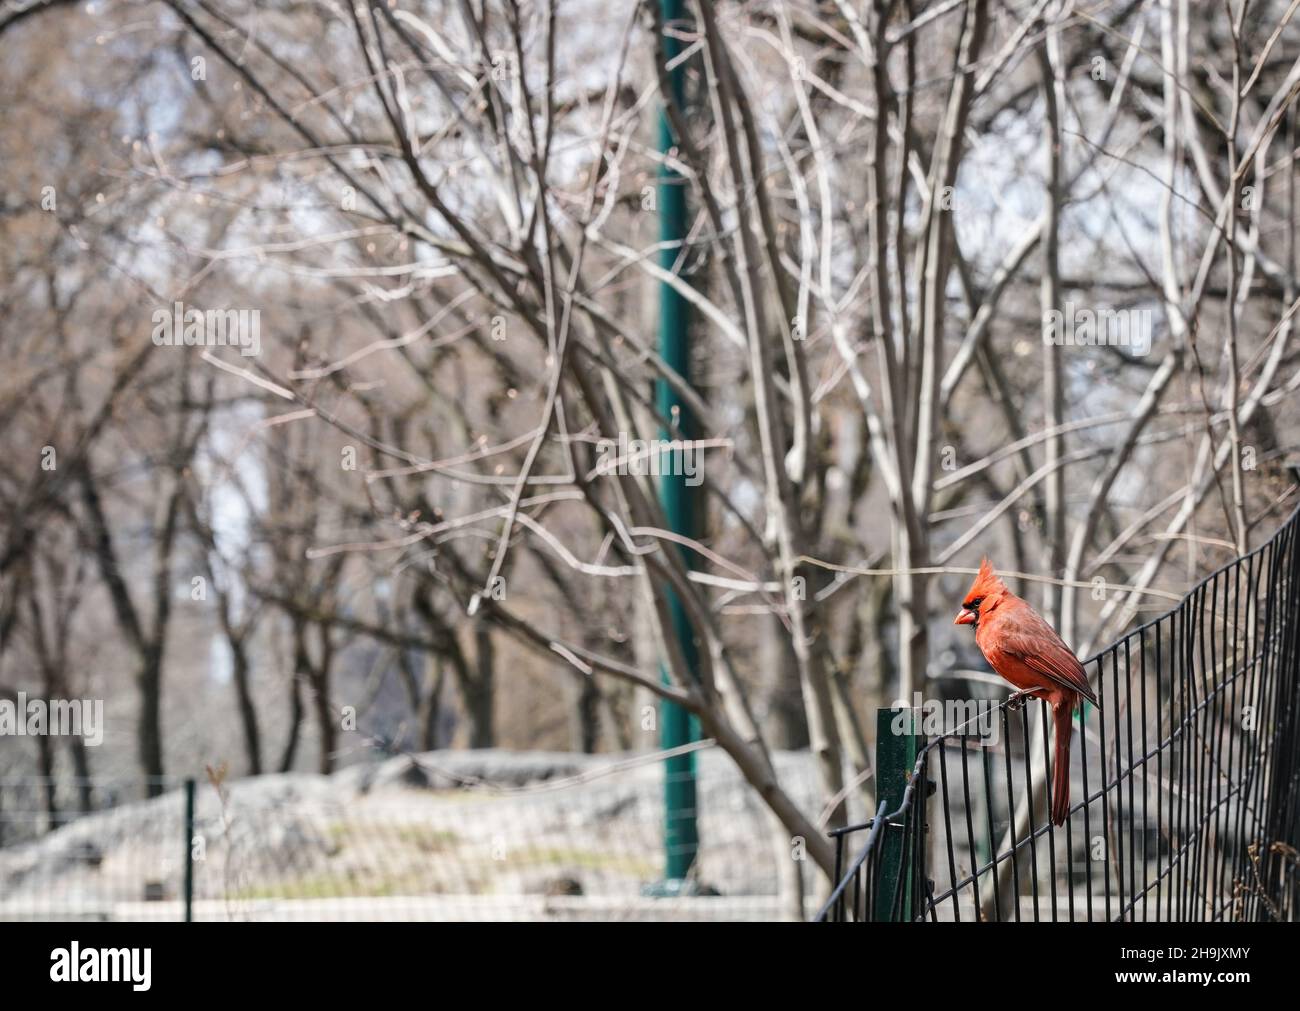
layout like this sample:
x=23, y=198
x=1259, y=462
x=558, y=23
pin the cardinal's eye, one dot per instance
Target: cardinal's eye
x=974, y=604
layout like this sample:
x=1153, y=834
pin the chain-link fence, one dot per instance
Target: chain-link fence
x=407, y=839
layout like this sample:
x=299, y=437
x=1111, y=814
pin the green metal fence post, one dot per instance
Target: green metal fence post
x=898, y=742
x=679, y=499
x=190, y=789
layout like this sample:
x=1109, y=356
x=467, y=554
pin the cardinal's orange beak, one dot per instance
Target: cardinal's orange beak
x=965, y=617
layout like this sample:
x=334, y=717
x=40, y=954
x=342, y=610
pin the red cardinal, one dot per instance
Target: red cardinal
x=1025, y=650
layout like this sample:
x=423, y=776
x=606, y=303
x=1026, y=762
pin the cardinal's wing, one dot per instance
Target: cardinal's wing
x=1031, y=640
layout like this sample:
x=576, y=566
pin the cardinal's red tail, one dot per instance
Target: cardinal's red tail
x=1061, y=716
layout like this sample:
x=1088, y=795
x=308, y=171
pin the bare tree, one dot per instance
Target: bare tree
x=903, y=215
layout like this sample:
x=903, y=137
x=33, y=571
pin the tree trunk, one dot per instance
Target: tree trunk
x=81, y=768
x=326, y=720
x=431, y=703
x=587, y=715
x=785, y=696
x=290, y=752
x=150, y=729
x=247, y=709
x=45, y=759
x=479, y=690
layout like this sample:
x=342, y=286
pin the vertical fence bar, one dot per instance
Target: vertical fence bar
x=898, y=742
x=190, y=789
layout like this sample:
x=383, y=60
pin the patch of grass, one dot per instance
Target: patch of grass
x=427, y=839
x=476, y=875
x=424, y=838
x=339, y=886
x=592, y=860
x=317, y=886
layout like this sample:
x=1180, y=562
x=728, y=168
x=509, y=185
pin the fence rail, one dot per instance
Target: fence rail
x=1184, y=782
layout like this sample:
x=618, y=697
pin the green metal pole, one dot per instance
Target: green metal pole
x=898, y=742
x=677, y=727
x=190, y=787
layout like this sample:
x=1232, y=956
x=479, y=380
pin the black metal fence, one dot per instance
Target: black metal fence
x=1184, y=784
